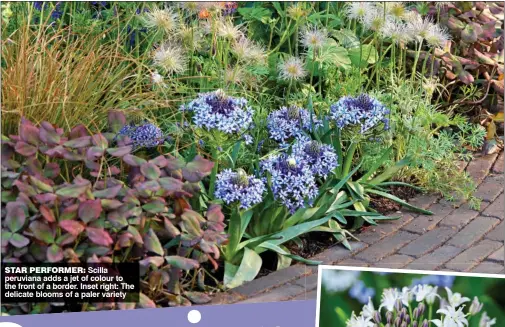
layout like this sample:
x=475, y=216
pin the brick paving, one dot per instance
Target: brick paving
x=454, y=238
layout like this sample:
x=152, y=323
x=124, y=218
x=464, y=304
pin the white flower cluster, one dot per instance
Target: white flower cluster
x=409, y=308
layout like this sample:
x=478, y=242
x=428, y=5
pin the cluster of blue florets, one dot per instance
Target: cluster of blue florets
x=321, y=158
x=287, y=123
x=215, y=110
x=364, y=111
x=145, y=135
x=292, y=180
x=238, y=187
x=435, y=280
x=360, y=292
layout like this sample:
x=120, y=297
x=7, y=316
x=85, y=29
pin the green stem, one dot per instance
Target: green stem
x=416, y=59
x=348, y=158
x=430, y=313
x=214, y=173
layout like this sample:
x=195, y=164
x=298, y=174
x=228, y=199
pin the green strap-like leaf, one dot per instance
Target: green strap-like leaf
x=400, y=201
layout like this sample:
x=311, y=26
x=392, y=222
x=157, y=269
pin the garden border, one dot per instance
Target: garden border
x=454, y=238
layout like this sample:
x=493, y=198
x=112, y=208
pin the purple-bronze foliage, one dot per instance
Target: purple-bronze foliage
x=67, y=200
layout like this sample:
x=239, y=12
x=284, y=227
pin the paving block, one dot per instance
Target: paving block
x=395, y=261
x=487, y=267
x=270, y=281
x=462, y=216
x=338, y=253
x=490, y=188
x=428, y=242
x=312, y=295
x=495, y=209
x=435, y=259
x=474, y=231
x=385, y=247
x=424, y=223
x=307, y=282
x=353, y=263
x=282, y=293
x=498, y=256
x=498, y=165
x=473, y=256
x=374, y=234
x=498, y=233
x=479, y=167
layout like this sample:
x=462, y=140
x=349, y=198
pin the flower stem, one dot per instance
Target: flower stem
x=348, y=158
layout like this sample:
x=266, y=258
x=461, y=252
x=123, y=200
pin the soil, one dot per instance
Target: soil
x=317, y=242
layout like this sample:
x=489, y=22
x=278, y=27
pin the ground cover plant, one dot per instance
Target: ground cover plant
x=211, y=140
x=353, y=298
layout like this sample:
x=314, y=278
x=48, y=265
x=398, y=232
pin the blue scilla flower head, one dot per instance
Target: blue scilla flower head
x=238, y=187
x=292, y=181
x=363, y=110
x=360, y=292
x=216, y=110
x=146, y=135
x=321, y=158
x=38, y=5
x=435, y=280
x=290, y=122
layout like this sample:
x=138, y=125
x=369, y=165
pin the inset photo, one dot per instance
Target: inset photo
x=368, y=297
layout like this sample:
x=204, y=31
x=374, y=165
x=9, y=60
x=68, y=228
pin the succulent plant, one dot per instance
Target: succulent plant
x=104, y=204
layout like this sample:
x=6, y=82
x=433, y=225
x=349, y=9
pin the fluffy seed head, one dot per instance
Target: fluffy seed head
x=171, y=58
x=292, y=69
x=162, y=19
x=313, y=37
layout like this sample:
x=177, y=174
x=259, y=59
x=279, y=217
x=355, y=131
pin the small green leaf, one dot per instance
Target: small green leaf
x=182, y=263
x=152, y=243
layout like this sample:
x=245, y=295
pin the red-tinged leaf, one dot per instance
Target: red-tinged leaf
x=116, y=120
x=48, y=134
x=117, y=219
x=124, y=240
x=72, y=226
x=46, y=198
x=148, y=187
x=152, y=243
x=25, y=149
x=198, y=297
x=90, y=210
x=94, y=153
x=470, y=33
x=174, y=163
x=465, y=77
x=72, y=191
x=150, y=171
x=93, y=165
x=42, y=232
x=214, y=213
x=100, y=141
x=28, y=132
x=182, y=263
x=78, y=131
x=51, y=170
x=160, y=161
x=197, y=169
x=37, y=183
x=18, y=240
x=155, y=261
x=111, y=204
x=133, y=161
x=170, y=228
x=80, y=142
x=171, y=184
x=145, y=302
x=25, y=188
x=70, y=212
x=65, y=239
x=108, y=193
x=47, y=214
x=99, y=236
x=120, y=152
x=16, y=216
x=136, y=235
x=54, y=253
x=156, y=206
